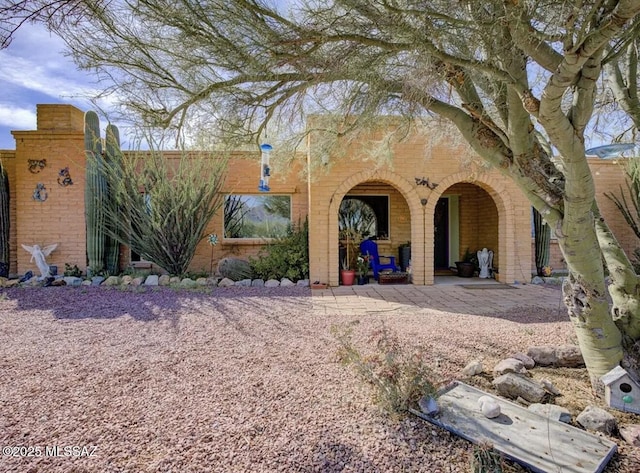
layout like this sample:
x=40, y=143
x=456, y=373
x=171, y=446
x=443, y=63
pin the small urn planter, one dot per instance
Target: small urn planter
x=465, y=269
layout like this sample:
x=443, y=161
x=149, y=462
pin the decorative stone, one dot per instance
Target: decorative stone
x=569, y=356
x=201, y=282
x=97, y=280
x=302, y=283
x=257, y=283
x=537, y=280
x=631, y=434
x=152, y=280
x=489, y=407
x=509, y=365
x=597, y=419
x=72, y=281
x=139, y=281
x=112, y=281
x=549, y=387
x=188, y=283
x=226, y=282
x=512, y=386
x=86, y=282
x=526, y=360
x=213, y=282
x=543, y=356
x=174, y=280
x=272, y=283
x=244, y=282
x=286, y=282
x=473, y=368
x=164, y=280
x=126, y=280
x=552, y=412
x=58, y=282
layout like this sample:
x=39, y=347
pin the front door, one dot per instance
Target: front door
x=441, y=234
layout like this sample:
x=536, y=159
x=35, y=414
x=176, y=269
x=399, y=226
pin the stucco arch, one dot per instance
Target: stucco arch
x=506, y=219
x=407, y=190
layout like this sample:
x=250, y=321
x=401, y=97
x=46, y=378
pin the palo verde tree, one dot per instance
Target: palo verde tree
x=511, y=76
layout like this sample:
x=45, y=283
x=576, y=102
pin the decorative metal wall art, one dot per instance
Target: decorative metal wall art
x=40, y=193
x=36, y=165
x=421, y=181
x=64, y=178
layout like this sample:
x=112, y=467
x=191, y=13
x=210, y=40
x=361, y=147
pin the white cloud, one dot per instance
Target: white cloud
x=18, y=118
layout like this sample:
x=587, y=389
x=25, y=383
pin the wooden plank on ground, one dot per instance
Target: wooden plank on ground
x=538, y=443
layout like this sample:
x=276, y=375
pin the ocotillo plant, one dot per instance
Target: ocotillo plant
x=4, y=222
x=112, y=159
x=95, y=193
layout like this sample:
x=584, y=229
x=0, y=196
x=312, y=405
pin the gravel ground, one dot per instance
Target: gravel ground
x=236, y=380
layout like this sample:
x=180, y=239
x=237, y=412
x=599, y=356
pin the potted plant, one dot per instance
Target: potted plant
x=362, y=264
x=467, y=267
x=347, y=275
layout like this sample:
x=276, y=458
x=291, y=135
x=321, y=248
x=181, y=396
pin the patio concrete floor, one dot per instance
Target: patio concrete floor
x=473, y=296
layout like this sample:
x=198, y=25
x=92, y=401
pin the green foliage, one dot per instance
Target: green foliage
x=399, y=377
x=72, y=271
x=95, y=193
x=542, y=238
x=485, y=459
x=630, y=211
x=167, y=204
x=286, y=257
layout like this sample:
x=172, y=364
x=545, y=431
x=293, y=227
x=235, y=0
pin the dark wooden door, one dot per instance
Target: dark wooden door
x=441, y=234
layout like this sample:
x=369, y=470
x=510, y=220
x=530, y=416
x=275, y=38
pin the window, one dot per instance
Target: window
x=368, y=215
x=256, y=216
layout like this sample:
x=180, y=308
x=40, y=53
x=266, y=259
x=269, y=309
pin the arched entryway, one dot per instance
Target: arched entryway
x=400, y=220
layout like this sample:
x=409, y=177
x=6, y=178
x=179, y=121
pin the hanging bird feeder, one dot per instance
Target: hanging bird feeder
x=265, y=169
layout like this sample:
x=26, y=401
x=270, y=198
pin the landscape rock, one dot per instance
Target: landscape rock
x=213, y=282
x=112, y=281
x=244, y=282
x=174, y=280
x=552, y=412
x=568, y=356
x=72, y=281
x=152, y=280
x=86, y=282
x=202, y=282
x=512, y=386
x=164, y=280
x=97, y=280
x=549, y=387
x=226, y=282
x=509, y=365
x=598, y=420
x=257, y=283
x=631, y=434
x=139, y=281
x=272, y=283
x=58, y=282
x=489, y=407
x=537, y=280
x=126, y=280
x=188, y=283
x=286, y=282
x=11, y=282
x=473, y=368
x=526, y=360
x=302, y=283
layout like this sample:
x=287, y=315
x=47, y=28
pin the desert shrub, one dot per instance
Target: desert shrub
x=285, y=257
x=399, y=376
x=484, y=459
x=72, y=270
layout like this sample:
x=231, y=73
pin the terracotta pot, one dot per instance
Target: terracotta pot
x=347, y=276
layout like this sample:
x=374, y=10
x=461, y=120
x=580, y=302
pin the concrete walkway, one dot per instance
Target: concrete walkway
x=475, y=297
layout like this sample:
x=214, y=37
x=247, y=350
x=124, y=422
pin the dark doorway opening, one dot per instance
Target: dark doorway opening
x=441, y=234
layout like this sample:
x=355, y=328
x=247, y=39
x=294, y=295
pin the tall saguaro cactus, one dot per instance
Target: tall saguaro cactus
x=95, y=193
x=4, y=222
x=112, y=159
x=542, y=237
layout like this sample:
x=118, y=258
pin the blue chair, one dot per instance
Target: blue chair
x=370, y=248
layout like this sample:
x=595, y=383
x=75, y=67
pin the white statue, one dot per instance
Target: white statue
x=40, y=254
x=485, y=261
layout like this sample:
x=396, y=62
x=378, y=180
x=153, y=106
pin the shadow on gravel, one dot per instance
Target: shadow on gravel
x=155, y=303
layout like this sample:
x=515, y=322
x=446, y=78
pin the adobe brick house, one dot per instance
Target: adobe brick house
x=426, y=195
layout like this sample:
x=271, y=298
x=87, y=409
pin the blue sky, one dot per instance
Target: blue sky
x=33, y=70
